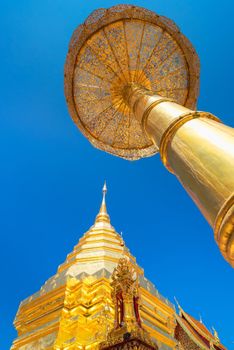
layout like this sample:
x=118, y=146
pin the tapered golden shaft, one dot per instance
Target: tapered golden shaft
x=199, y=150
x=115, y=61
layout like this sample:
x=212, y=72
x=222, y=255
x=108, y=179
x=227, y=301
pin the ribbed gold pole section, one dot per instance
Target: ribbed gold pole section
x=199, y=150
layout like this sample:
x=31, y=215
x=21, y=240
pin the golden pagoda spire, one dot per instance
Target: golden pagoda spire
x=100, y=247
x=103, y=215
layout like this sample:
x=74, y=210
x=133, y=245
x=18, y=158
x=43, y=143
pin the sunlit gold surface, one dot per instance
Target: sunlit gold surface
x=125, y=285
x=74, y=309
x=77, y=308
x=131, y=83
x=199, y=150
x=116, y=47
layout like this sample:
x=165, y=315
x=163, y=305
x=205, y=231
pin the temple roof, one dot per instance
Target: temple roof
x=198, y=332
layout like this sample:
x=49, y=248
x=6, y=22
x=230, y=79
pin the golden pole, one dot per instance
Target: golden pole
x=199, y=151
x=131, y=84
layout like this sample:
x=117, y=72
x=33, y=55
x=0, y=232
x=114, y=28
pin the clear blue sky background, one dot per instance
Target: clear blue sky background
x=51, y=177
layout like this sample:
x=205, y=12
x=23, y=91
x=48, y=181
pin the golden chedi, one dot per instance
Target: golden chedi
x=131, y=84
x=100, y=298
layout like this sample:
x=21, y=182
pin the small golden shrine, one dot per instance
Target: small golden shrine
x=128, y=332
x=99, y=298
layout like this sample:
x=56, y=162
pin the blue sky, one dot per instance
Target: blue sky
x=51, y=177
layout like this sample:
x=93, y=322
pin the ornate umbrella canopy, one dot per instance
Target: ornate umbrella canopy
x=113, y=48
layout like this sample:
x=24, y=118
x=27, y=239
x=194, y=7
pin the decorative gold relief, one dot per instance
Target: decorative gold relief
x=115, y=47
x=125, y=295
x=131, y=84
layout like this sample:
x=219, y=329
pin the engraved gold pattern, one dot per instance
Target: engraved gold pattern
x=126, y=299
x=113, y=48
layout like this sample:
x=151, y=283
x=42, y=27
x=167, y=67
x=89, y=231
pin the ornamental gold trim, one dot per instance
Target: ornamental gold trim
x=224, y=228
x=171, y=130
x=191, y=335
x=124, y=42
x=150, y=108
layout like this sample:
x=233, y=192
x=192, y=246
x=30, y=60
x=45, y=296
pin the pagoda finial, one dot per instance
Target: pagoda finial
x=103, y=215
x=104, y=191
